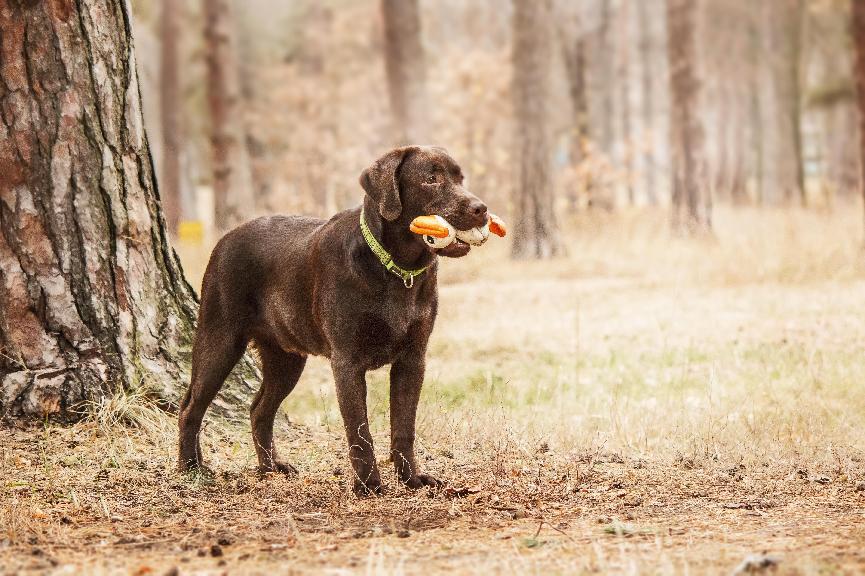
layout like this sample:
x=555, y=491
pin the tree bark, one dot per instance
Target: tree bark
x=858, y=32
x=232, y=182
x=624, y=40
x=603, y=55
x=170, y=103
x=786, y=175
x=535, y=231
x=690, y=194
x=647, y=75
x=257, y=149
x=92, y=297
x=405, y=66
x=574, y=55
x=756, y=107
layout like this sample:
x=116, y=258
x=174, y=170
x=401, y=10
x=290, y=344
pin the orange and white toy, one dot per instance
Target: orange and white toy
x=439, y=233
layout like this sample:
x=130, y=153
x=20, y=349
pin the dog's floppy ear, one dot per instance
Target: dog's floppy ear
x=380, y=182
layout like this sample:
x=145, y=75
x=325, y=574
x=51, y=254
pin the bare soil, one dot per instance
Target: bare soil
x=67, y=509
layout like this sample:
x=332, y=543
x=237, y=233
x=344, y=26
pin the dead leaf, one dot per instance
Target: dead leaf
x=450, y=492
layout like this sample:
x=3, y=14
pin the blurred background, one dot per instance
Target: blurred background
x=594, y=107
x=681, y=180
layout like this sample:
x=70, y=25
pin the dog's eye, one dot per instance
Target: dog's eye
x=431, y=179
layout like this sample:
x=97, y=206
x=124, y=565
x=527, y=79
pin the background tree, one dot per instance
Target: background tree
x=647, y=92
x=626, y=139
x=573, y=43
x=256, y=149
x=232, y=181
x=690, y=195
x=858, y=31
x=93, y=299
x=405, y=67
x=572, y=39
x=170, y=105
x=602, y=71
x=785, y=172
x=535, y=231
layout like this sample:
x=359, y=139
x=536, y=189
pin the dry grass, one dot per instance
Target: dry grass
x=648, y=404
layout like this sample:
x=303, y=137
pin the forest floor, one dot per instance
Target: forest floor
x=647, y=404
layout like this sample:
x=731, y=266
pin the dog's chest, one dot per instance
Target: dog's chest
x=393, y=324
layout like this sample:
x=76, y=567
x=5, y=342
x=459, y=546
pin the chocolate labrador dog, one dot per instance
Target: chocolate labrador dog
x=359, y=288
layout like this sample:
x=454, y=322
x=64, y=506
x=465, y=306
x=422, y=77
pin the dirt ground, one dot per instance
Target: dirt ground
x=544, y=512
x=687, y=407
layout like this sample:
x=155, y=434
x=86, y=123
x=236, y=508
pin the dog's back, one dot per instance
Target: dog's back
x=248, y=263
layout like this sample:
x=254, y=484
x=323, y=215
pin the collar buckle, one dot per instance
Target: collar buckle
x=407, y=276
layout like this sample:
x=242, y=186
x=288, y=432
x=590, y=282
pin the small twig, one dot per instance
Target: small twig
x=146, y=542
x=556, y=528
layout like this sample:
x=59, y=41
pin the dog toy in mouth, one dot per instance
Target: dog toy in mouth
x=439, y=233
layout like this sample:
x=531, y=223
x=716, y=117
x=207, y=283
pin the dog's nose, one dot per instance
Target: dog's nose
x=478, y=208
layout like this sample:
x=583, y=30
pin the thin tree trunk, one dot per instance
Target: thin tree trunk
x=170, y=103
x=406, y=71
x=756, y=107
x=256, y=149
x=858, y=32
x=783, y=30
x=691, y=198
x=722, y=130
x=92, y=297
x=535, y=231
x=603, y=55
x=575, y=62
x=738, y=175
x=232, y=181
x=574, y=55
x=624, y=35
x=646, y=86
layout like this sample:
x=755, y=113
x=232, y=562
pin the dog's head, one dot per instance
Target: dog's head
x=416, y=181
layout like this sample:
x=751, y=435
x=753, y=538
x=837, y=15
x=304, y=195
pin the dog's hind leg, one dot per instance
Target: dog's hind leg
x=214, y=354
x=281, y=372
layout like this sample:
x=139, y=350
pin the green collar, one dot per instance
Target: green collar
x=384, y=256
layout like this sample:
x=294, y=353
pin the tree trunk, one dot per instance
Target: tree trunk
x=257, y=150
x=535, y=231
x=858, y=32
x=604, y=54
x=624, y=38
x=647, y=75
x=785, y=169
x=232, y=182
x=170, y=103
x=92, y=297
x=406, y=71
x=756, y=108
x=690, y=194
x=738, y=182
x=574, y=55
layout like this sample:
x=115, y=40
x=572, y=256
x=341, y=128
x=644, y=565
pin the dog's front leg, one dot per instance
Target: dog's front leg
x=406, y=379
x=351, y=395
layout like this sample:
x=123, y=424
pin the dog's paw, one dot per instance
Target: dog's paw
x=420, y=480
x=277, y=466
x=369, y=488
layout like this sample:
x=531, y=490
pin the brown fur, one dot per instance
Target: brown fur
x=296, y=286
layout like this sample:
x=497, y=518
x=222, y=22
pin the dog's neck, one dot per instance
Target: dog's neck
x=397, y=239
